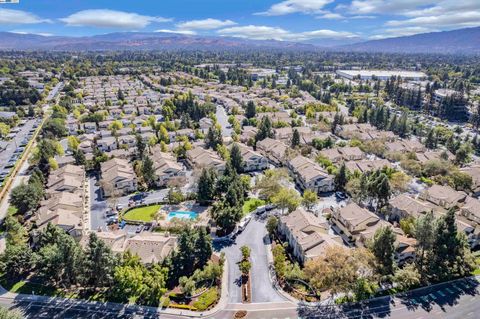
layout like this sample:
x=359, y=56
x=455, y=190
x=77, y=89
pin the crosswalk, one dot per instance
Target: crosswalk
x=453, y=289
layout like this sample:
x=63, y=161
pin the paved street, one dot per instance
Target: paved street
x=222, y=118
x=255, y=237
x=455, y=300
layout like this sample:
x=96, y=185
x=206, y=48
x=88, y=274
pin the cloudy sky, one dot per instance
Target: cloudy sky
x=289, y=20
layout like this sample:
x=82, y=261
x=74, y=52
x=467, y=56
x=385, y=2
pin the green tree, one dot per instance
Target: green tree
x=265, y=129
x=462, y=156
x=236, y=159
x=383, y=248
x=451, y=255
x=99, y=263
x=407, y=277
x=309, y=198
x=16, y=261
x=16, y=234
x=279, y=261
x=26, y=197
x=203, y=247
x=341, y=178
x=206, y=186
x=286, y=198
x=250, y=110
x=295, y=138
x=148, y=171
x=272, y=224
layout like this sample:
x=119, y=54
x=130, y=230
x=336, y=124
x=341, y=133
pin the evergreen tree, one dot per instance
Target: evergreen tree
x=206, y=186
x=265, y=129
x=148, y=171
x=203, y=248
x=250, y=110
x=341, y=178
x=383, y=248
x=141, y=146
x=430, y=141
x=295, y=138
x=236, y=159
x=100, y=263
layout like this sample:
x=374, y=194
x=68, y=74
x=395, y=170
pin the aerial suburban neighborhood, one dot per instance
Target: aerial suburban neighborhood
x=216, y=169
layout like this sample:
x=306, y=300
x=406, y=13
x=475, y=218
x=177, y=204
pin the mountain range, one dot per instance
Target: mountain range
x=462, y=41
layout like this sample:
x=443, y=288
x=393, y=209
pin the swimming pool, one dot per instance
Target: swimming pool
x=182, y=215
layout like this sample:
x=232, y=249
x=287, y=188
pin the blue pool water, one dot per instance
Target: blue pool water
x=182, y=214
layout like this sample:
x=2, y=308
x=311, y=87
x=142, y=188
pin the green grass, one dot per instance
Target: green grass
x=251, y=204
x=12, y=210
x=476, y=272
x=144, y=214
x=25, y=287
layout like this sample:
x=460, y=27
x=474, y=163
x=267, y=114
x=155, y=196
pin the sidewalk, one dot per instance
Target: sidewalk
x=117, y=307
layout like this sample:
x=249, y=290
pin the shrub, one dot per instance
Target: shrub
x=207, y=299
x=180, y=306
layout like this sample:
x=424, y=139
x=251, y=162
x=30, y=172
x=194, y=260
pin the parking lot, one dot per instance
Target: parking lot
x=16, y=145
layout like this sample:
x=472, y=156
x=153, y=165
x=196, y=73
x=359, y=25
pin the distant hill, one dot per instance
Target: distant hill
x=455, y=41
x=138, y=41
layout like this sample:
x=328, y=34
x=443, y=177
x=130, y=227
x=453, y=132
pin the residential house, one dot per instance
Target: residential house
x=350, y=221
x=167, y=169
x=118, y=177
x=252, y=161
x=310, y=175
x=274, y=150
x=306, y=234
x=443, y=196
x=199, y=157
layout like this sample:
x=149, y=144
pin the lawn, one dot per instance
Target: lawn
x=25, y=287
x=476, y=272
x=144, y=214
x=251, y=204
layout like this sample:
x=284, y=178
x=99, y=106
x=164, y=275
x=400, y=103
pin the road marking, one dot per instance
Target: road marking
x=473, y=298
x=470, y=313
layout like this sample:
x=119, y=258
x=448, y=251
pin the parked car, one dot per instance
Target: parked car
x=119, y=207
x=340, y=195
x=110, y=212
x=139, y=229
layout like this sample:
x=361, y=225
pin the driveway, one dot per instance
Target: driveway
x=255, y=237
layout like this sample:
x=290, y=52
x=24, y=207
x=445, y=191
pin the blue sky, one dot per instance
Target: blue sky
x=289, y=20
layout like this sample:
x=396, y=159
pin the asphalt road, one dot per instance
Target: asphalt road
x=255, y=237
x=456, y=300
x=222, y=119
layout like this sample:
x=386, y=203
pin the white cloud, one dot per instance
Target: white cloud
x=45, y=34
x=104, y=18
x=9, y=16
x=274, y=33
x=205, y=24
x=185, y=32
x=294, y=6
x=456, y=19
x=331, y=16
